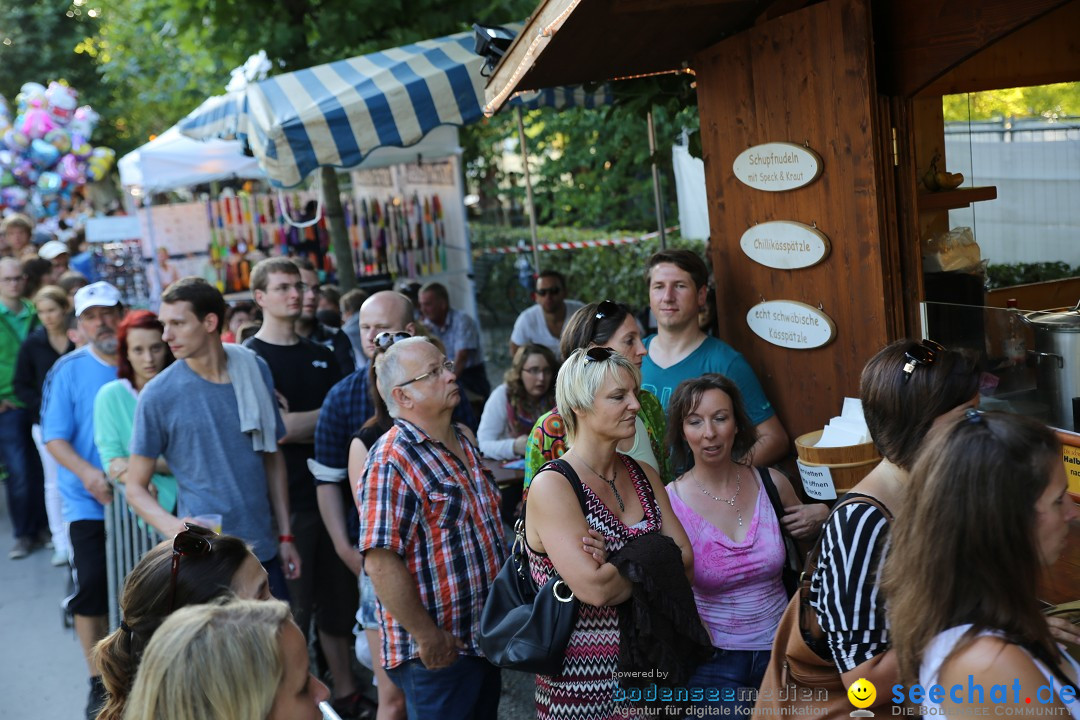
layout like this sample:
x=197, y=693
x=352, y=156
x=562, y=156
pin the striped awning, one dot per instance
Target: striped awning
x=337, y=114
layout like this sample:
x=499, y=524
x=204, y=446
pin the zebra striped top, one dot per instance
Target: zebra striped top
x=844, y=590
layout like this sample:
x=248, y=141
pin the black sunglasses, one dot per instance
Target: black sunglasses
x=193, y=542
x=606, y=308
x=544, y=292
x=385, y=339
x=598, y=354
x=926, y=352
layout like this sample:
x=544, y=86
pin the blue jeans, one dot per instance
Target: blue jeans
x=25, y=481
x=467, y=690
x=733, y=670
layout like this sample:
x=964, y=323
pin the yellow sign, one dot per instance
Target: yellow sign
x=1071, y=457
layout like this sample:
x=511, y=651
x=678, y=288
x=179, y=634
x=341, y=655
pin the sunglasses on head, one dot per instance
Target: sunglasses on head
x=544, y=292
x=385, y=339
x=598, y=354
x=606, y=309
x=193, y=542
x=926, y=352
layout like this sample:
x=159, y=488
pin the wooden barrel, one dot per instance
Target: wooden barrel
x=847, y=464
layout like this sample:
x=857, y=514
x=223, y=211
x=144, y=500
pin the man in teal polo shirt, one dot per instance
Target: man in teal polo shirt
x=25, y=482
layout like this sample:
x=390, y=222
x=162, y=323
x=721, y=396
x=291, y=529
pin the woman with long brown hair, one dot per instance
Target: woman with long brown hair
x=528, y=391
x=987, y=513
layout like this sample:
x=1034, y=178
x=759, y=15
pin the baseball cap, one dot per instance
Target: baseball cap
x=52, y=249
x=99, y=294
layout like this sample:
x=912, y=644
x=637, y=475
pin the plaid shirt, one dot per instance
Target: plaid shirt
x=348, y=406
x=442, y=517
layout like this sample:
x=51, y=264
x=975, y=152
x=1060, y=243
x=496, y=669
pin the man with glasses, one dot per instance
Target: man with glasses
x=308, y=325
x=542, y=323
x=303, y=374
x=67, y=429
x=25, y=480
x=427, y=502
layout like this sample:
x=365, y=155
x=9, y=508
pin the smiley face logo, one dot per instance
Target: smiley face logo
x=862, y=693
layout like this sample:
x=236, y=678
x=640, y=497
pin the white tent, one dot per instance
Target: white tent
x=172, y=160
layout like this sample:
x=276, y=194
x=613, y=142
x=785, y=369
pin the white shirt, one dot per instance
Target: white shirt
x=530, y=327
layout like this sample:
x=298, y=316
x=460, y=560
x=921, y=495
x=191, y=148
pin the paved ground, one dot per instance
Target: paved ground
x=44, y=675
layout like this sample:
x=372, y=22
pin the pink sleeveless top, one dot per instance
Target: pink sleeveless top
x=737, y=585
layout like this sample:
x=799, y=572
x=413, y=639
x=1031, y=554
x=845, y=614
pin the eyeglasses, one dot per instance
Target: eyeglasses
x=447, y=365
x=17, y=278
x=193, y=542
x=538, y=371
x=544, y=292
x=605, y=309
x=925, y=353
x=299, y=287
x=598, y=354
x=385, y=339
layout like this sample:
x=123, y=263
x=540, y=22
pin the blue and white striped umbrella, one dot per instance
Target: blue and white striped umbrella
x=338, y=113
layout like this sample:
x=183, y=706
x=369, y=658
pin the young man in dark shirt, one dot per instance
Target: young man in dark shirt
x=303, y=373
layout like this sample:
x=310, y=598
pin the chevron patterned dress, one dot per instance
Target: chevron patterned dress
x=585, y=689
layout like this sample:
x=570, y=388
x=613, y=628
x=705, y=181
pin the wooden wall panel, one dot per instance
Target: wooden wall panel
x=804, y=77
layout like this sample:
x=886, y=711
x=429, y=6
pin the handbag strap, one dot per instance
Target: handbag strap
x=774, y=498
x=812, y=558
x=567, y=471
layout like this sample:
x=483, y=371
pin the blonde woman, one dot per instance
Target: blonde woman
x=244, y=660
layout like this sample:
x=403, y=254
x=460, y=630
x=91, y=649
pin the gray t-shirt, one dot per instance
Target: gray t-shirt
x=195, y=425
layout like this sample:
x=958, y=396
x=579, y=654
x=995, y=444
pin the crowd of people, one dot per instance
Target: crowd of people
x=345, y=446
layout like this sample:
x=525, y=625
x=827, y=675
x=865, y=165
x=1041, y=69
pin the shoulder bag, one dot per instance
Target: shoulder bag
x=524, y=627
x=801, y=672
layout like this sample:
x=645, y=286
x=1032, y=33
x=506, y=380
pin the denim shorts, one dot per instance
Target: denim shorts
x=366, y=617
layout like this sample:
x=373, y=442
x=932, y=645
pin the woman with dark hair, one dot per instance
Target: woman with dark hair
x=236, y=316
x=141, y=355
x=905, y=388
x=723, y=504
x=527, y=392
x=987, y=513
x=41, y=349
x=604, y=324
x=195, y=567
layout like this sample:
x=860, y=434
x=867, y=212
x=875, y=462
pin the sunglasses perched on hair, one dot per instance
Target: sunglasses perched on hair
x=926, y=352
x=599, y=354
x=544, y=292
x=606, y=309
x=385, y=339
x=193, y=542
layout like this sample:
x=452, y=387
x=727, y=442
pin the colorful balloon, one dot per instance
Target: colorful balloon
x=80, y=148
x=49, y=184
x=84, y=122
x=59, y=139
x=99, y=164
x=16, y=141
x=61, y=103
x=31, y=95
x=14, y=197
x=36, y=123
x=72, y=170
x=43, y=154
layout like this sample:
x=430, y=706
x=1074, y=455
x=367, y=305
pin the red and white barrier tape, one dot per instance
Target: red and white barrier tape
x=578, y=245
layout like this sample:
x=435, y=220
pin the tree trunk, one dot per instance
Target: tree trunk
x=335, y=225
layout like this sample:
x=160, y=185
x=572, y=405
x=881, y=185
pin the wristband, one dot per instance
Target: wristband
x=286, y=539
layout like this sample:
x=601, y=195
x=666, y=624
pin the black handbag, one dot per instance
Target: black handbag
x=793, y=563
x=522, y=627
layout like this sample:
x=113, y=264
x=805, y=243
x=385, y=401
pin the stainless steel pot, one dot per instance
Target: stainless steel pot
x=1057, y=355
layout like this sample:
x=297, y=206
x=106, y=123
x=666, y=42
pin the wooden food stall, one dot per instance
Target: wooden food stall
x=818, y=119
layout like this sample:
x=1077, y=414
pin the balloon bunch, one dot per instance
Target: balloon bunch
x=45, y=151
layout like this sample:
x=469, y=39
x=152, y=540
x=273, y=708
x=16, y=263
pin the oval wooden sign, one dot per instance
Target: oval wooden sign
x=791, y=324
x=785, y=245
x=777, y=166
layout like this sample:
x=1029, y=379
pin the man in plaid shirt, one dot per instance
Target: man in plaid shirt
x=432, y=540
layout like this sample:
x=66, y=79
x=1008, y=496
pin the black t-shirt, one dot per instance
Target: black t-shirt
x=304, y=374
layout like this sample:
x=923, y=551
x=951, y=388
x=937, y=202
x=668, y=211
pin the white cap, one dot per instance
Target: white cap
x=99, y=294
x=52, y=249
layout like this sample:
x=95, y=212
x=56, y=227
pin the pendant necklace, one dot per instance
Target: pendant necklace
x=610, y=483
x=731, y=502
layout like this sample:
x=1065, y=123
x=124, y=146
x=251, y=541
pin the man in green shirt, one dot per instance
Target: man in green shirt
x=25, y=481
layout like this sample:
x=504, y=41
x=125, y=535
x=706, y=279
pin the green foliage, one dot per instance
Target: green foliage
x=1007, y=275
x=615, y=272
x=1046, y=101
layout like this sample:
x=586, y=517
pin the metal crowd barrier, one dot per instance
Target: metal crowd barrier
x=127, y=539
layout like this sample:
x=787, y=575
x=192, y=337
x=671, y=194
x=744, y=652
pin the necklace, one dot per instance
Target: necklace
x=610, y=483
x=731, y=502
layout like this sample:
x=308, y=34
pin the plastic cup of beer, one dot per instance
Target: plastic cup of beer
x=210, y=521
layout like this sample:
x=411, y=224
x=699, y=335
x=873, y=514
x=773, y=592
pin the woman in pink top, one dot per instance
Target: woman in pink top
x=734, y=531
